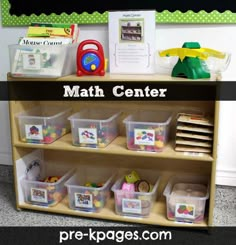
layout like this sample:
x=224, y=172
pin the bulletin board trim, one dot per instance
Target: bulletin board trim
x=164, y=17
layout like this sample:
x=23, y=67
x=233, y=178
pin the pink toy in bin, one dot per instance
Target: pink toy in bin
x=136, y=197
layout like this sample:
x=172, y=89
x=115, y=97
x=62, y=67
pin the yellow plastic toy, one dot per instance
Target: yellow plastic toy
x=191, y=63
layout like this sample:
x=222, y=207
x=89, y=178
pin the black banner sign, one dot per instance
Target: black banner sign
x=116, y=235
x=113, y=91
x=28, y=7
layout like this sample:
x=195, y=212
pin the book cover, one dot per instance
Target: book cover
x=74, y=29
x=44, y=41
x=56, y=25
x=132, y=42
x=38, y=31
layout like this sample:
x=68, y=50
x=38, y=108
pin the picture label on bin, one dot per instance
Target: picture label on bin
x=88, y=135
x=31, y=61
x=184, y=210
x=131, y=206
x=34, y=132
x=144, y=137
x=39, y=195
x=83, y=200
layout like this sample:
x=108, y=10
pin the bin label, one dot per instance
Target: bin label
x=185, y=210
x=131, y=206
x=34, y=132
x=83, y=200
x=31, y=61
x=39, y=195
x=144, y=136
x=88, y=135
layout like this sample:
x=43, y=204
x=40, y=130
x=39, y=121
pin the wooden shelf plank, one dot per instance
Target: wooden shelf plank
x=117, y=147
x=156, y=217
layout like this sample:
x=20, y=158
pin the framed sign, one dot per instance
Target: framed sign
x=23, y=12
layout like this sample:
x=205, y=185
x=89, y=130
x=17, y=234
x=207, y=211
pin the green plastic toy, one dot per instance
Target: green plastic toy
x=191, y=62
x=132, y=177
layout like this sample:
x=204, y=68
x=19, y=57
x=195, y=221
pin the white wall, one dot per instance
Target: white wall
x=220, y=37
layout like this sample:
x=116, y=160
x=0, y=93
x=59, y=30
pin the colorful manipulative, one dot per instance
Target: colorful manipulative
x=191, y=63
x=49, y=193
x=90, y=61
x=139, y=185
x=45, y=134
x=92, y=198
x=96, y=135
x=147, y=138
x=54, y=193
x=133, y=197
x=187, y=203
x=52, y=179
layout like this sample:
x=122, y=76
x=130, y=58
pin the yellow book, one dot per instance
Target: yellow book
x=41, y=31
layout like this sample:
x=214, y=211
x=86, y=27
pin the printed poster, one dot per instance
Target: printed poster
x=132, y=42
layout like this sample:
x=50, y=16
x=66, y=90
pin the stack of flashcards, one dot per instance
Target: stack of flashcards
x=194, y=133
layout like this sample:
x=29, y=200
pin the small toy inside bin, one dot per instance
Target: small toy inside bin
x=186, y=198
x=136, y=192
x=89, y=188
x=43, y=186
x=147, y=130
x=43, y=124
x=94, y=128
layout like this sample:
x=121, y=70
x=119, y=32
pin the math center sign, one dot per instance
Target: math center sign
x=23, y=12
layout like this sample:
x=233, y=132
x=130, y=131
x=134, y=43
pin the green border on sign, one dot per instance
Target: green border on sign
x=163, y=17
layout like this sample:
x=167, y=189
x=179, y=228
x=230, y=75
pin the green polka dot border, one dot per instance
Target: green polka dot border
x=163, y=17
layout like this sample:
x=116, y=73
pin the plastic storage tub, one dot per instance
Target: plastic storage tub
x=94, y=128
x=147, y=130
x=89, y=188
x=43, y=124
x=136, y=203
x=186, y=198
x=42, y=61
x=37, y=191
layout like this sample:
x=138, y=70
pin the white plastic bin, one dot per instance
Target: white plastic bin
x=147, y=130
x=89, y=188
x=43, y=124
x=186, y=198
x=38, y=191
x=42, y=61
x=94, y=128
x=136, y=203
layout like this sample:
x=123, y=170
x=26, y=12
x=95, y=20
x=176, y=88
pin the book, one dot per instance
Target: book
x=38, y=29
x=75, y=33
x=44, y=41
x=132, y=42
x=43, y=24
